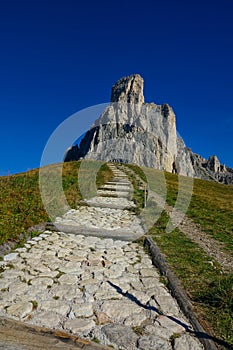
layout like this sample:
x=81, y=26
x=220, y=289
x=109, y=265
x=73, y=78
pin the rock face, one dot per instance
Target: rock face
x=132, y=131
x=128, y=90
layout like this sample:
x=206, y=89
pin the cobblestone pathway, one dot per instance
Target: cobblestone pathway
x=97, y=287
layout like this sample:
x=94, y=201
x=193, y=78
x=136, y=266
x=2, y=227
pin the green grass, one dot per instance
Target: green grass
x=211, y=204
x=20, y=205
x=138, y=170
x=211, y=207
x=20, y=202
x=210, y=290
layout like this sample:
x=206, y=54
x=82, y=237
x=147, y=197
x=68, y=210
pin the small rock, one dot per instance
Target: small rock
x=149, y=272
x=120, y=336
x=11, y=256
x=57, y=306
x=71, y=267
x=102, y=318
x=68, y=279
x=46, y=319
x=31, y=242
x=28, y=246
x=18, y=287
x=20, y=310
x=152, y=342
x=172, y=324
x=142, y=297
x=42, y=281
x=83, y=310
x=43, y=235
x=187, y=342
x=66, y=291
x=21, y=250
x=120, y=309
x=79, y=325
x=37, y=239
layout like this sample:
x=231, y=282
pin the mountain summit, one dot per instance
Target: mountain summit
x=132, y=131
x=128, y=90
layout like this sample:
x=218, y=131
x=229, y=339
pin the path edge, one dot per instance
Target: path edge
x=178, y=292
x=19, y=333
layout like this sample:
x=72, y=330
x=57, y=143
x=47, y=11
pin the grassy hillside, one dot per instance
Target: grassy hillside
x=209, y=288
x=211, y=206
x=20, y=202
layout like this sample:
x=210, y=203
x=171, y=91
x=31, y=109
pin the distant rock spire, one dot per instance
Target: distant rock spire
x=128, y=89
x=145, y=134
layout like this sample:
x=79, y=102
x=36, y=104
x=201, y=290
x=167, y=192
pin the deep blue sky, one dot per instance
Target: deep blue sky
x=58, y=57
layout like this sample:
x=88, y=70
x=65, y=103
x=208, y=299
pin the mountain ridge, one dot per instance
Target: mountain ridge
x=132, y=131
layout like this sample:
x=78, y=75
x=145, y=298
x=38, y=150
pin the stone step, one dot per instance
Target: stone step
x=108, y=193
x=121, y=182
x=116, y=188
x=121, y=175
x=115, y=234
x=112, y=203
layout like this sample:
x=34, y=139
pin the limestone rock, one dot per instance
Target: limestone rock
x=128, y=89
x=11, y=256
x=119, y=309
x=186, y=342
x=79, y=325
x=20, y=310
x=83, y=310
x=213, y=164
x=46, y=319
x=120, y=336
x=152, y=342
x=131, y=131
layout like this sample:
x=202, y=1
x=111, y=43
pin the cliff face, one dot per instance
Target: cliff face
x=132, y=131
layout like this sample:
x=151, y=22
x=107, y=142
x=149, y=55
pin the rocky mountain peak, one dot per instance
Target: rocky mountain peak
x=145, y=134
x=128, y=89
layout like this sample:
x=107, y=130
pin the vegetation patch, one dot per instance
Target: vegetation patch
x=21, y=206
x=210, y=207
x=138, y=330
x=34, y=304
x=210, y=290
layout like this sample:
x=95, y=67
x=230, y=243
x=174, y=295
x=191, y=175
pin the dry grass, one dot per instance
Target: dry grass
x=20, y=202
x=210, y=290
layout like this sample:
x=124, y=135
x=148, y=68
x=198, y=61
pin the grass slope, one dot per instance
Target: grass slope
x=211, y=207
x=20, y=202
x=210, y=290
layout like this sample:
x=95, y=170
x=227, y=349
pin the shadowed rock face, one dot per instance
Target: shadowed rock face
x=132, y=131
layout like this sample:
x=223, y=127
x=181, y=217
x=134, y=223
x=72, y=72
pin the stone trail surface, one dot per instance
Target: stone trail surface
x=107, y=214
x=96, y=288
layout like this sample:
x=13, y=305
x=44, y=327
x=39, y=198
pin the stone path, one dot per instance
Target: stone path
x=107, y=214
x=95, y=286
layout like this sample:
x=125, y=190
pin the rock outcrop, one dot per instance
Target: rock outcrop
x=128, y=90
x=132, y=131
